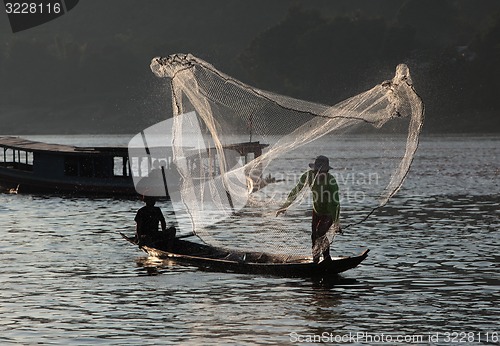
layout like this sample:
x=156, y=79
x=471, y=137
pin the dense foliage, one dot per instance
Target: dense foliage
x=89, y=70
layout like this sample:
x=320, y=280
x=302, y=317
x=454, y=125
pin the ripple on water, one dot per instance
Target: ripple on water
x=71, y=279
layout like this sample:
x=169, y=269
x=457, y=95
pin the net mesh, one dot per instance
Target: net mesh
x=239, y=150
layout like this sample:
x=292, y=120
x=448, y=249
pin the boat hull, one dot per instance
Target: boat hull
x=27, y=182
x=36, y=167
x=213, y=259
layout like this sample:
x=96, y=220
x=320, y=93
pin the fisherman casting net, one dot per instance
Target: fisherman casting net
x=237, y=151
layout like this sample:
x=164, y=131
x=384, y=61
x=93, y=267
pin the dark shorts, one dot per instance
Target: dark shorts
x=320, y=243
x=320, y=225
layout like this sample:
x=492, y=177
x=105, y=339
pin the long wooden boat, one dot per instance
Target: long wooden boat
x=32, y=166
x=215, y=259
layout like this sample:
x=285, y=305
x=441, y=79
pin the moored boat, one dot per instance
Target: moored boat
x=32, y=166
x=215, y=259
x=28, y=166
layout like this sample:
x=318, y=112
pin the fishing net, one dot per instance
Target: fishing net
x=237, y=151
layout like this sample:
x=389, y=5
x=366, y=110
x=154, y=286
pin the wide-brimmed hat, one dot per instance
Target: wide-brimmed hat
x=322, y=163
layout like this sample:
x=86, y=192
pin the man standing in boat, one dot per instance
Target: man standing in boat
x=147, y=220
x=326, y=205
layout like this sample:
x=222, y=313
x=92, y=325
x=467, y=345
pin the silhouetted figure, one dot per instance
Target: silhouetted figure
x=147, y=220
x=326, y=205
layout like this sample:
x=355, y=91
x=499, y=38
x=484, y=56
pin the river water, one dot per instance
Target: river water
x=432, y=275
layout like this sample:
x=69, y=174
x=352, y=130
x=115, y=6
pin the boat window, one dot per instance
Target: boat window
x=99, y=168
x=25, y=157
x=139, y=166
x=8, y=155
x=120, y=166
x=3, y=157
x=17, y=159
x=71, y=166
x=86, y=167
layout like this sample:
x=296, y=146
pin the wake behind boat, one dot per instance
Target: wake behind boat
x=211, y=258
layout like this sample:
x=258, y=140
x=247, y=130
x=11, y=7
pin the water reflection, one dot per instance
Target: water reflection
x=69, y=278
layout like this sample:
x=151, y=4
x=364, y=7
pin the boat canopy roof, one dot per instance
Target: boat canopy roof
x=18, y=143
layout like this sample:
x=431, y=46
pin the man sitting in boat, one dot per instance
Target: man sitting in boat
x=147, y=220
x=326, y=205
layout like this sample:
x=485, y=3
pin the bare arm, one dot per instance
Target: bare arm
x=294, y=193
x=162, y=220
